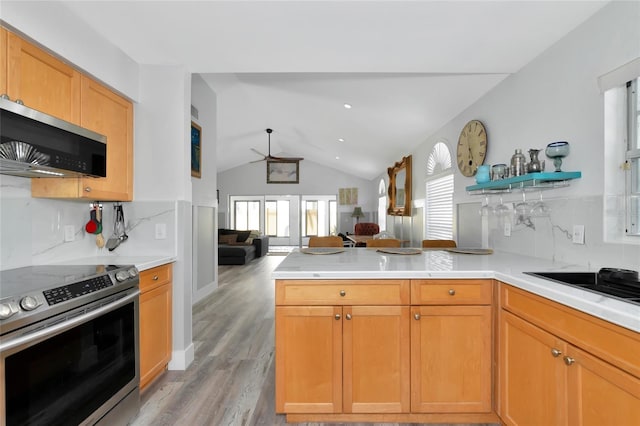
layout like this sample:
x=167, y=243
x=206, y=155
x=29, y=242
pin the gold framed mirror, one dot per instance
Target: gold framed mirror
x=400, y=188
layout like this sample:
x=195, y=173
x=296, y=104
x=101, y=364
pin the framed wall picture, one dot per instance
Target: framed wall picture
x=196, y=150
x=283, y=171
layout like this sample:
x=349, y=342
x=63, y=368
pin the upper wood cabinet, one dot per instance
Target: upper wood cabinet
x=111, y=115
x=3, y=60
x=40, y=80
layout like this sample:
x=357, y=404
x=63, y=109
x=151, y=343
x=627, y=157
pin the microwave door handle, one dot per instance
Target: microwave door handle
x=44, y=333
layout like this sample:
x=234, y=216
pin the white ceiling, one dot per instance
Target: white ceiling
x=407, y=67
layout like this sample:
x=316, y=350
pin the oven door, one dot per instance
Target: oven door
x=75, y=367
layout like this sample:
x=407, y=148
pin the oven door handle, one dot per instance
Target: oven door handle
x=44, y=333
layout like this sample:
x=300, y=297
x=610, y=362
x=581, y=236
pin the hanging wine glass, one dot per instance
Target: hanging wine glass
x=486, y=208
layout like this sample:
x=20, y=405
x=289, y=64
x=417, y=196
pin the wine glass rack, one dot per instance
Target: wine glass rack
x=527, y=182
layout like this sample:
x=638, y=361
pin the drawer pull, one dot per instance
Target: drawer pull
x=348, y=316
x=452, y=292
x=343, y=293
x=155, y=278
x=568, y=360
x=416, y=316
x=87, y=189
x=337, y=317
x=556, y=352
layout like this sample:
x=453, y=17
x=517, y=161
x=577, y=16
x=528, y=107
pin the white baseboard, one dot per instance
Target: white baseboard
x=180, y=360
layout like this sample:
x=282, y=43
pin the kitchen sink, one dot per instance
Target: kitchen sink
x=619, y=283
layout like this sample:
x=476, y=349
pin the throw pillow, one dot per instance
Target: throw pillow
x=243, y=235
x=249, y=240
x=227, y=239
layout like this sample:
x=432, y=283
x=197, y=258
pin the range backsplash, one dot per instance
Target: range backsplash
x=32, y=229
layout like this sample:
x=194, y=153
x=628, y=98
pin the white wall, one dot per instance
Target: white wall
x=554, y=97
x=251, y=179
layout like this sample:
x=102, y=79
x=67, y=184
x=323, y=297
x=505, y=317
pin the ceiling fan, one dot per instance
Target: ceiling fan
x=271, y=157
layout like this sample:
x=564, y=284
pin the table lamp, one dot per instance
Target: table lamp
x=357, y=213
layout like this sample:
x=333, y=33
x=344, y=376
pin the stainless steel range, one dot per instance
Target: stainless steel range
x=69, y=345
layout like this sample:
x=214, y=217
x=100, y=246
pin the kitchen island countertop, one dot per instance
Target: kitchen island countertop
x=363, y=263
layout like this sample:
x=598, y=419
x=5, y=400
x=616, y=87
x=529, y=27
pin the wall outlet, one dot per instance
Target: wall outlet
x=578, y=234
x=69, y=233
x=507, y=229
x=161, y=231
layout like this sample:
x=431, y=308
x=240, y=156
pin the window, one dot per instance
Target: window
x=310, y=218
x=319, y=215
x=333, y=217
x=382, y=205
x=439, y=194
x=247, y=215
x=277, y=218
x=632, y=159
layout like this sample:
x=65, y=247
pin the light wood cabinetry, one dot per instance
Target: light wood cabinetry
x=451, y=346
x=47, y=84
x=352, y=357
x=560, y=366
x=40, y=80
x=111, y=115
x=155, y=322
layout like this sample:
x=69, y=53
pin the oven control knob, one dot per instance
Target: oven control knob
x=6, y=311
x=29, y=303
x=133, y=272
x=122, y=276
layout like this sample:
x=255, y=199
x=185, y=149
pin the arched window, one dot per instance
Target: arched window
x=382, y=205
x=439, y=194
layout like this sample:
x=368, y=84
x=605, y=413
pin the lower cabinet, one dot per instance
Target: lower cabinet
x=549, y=373
x=155, y=322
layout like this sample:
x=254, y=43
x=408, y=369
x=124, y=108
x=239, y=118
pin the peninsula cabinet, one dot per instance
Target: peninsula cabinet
x=37, y=78
x=562, y=367
x=109, y=114
x=451, y=346
x=155, y=322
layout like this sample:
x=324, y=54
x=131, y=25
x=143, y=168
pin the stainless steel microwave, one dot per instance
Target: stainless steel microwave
x=35, y=144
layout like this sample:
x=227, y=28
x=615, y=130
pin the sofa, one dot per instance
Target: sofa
x=239, y=247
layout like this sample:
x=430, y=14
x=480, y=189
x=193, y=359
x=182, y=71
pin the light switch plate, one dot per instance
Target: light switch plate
x=578, y=234
x=161, y=231
x=69, y=233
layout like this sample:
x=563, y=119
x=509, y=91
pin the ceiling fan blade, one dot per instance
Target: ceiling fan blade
x=258, y=152
x=286, y=158
x=257, y=161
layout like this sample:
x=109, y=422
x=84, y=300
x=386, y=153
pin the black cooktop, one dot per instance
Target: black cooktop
x=622, y=284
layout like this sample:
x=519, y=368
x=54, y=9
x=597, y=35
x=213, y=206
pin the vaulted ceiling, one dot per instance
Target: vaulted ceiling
x=406, y=67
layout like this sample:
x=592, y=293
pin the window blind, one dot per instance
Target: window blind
x=439, y=208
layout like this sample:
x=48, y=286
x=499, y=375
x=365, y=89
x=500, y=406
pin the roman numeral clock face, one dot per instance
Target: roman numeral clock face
x=472, y=147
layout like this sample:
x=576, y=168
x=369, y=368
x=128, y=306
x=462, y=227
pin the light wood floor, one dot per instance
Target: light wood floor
x=231, y=380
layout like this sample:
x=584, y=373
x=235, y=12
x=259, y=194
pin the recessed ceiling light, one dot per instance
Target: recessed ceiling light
x=347, y=106
x=337, y=158
x=340, y=139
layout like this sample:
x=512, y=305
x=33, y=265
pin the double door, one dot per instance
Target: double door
x=342, y=359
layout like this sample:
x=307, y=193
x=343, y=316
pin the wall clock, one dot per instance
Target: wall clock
x=472, y=147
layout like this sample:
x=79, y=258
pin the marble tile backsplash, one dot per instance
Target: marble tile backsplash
x=550, y=237
x=32, y=230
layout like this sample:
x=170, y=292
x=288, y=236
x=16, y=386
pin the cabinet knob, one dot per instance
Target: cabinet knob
x=19, y=102
x=155, y=278
x=452, y=292
x=337, y=317
x=556, y=352
x=348, y=316
x=87, y=189
x=343, y=293
x=568, y=360
x=5, y=96
x=416, y=316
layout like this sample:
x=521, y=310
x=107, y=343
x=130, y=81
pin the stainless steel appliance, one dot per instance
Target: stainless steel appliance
x=621, y=284
x=69, y=345
x=34, y=144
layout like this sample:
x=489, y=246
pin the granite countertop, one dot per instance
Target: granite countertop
x=140, y=262
x=356, y=263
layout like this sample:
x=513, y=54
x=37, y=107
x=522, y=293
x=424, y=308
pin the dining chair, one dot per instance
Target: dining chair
x=384, y=242
x=331, y=241
x=438, y=243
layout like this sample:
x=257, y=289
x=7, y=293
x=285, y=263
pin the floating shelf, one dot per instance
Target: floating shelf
x=529, y=181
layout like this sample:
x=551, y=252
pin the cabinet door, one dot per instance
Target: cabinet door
x=308, y=359
x=42, y=81
x=600, y=394
x=533, y=377
x=155, y=332
x=3, y=61
x=376, y=370
x=451, y=348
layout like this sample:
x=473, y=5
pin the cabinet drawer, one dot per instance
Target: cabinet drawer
x=342, y=292
x=154, y=277
x=610, y=342
x=451, y=292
